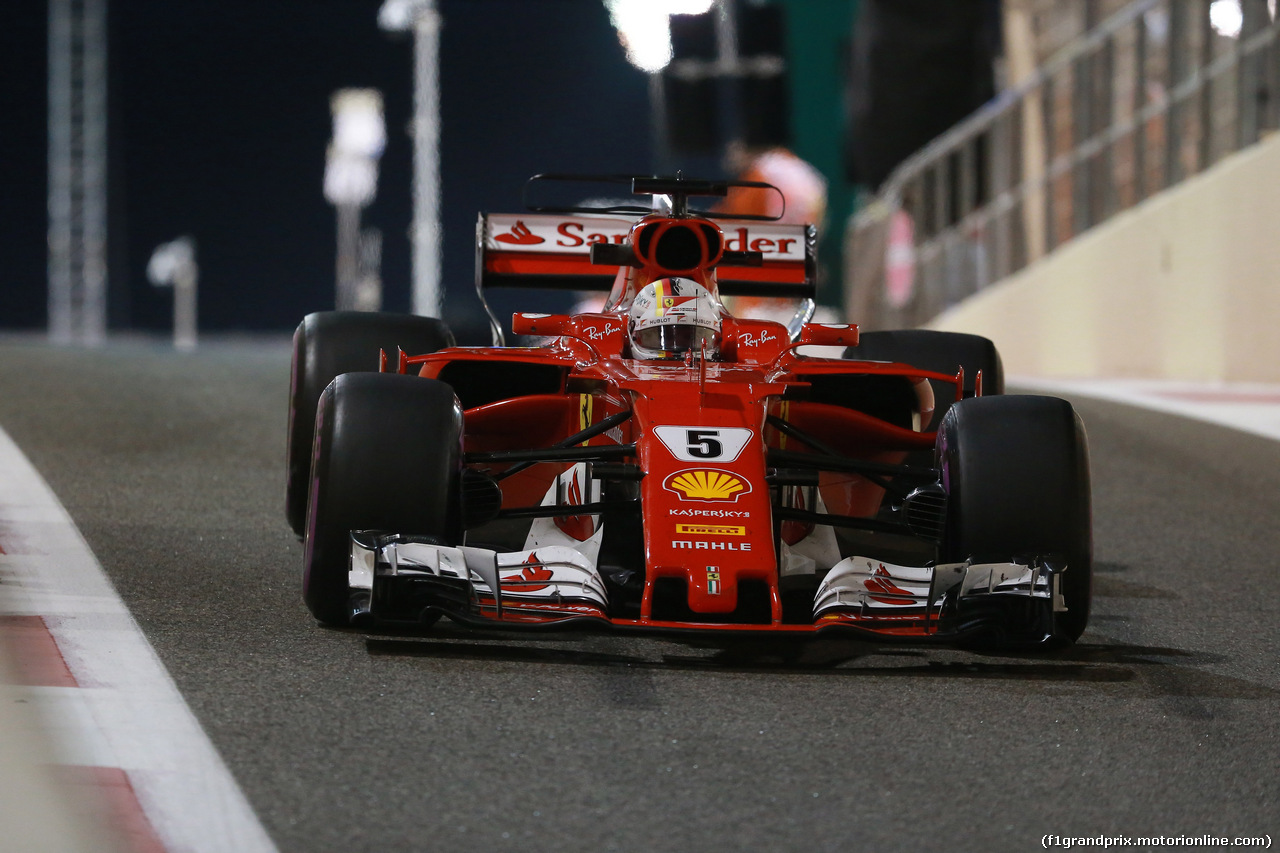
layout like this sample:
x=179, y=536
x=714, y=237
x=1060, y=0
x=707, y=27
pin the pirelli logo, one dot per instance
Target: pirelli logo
x=711, y=529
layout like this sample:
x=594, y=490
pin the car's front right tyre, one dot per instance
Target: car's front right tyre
x=328, y=344
x=386, y=456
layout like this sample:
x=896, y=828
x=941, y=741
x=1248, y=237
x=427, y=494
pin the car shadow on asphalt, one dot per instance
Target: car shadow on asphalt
x=1154, y=670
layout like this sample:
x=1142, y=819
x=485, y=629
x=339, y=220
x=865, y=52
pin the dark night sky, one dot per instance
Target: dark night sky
x=219, y=122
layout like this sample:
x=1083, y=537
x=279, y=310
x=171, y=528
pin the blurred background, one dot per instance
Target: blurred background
x=218, y=117
x=941, y=147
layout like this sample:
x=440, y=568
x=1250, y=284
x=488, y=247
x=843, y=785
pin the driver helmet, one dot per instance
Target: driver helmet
x=672, y=316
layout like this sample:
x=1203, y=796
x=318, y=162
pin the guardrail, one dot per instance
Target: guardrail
x=1151, y=96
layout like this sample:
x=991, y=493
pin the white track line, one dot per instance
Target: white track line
x=127, y=713
x=1248, y=407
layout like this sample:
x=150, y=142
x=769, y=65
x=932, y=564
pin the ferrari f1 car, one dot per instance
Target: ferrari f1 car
x=661, y=464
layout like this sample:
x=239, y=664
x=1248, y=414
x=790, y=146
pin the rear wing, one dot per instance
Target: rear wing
x=553, y=251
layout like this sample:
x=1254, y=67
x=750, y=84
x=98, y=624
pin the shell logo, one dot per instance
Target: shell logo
x=705, y=484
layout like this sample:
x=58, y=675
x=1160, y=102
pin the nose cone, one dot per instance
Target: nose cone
x=712, y=588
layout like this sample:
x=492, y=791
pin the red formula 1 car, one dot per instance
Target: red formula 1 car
x=661, y=464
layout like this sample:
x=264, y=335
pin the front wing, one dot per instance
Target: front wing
x=395, y=578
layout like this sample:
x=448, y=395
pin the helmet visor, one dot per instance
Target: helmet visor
x=676, y=339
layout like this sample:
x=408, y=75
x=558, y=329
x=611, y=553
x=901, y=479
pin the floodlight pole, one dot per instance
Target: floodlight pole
x=729, y=69
x=659, y=123
x=174, y=265
x=78, y=171
x=351, y=183
x=185, y=308
x=348, y=264
x=426, y=144
x=422, y=18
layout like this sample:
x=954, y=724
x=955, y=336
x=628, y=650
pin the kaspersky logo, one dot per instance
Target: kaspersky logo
x=707, y=484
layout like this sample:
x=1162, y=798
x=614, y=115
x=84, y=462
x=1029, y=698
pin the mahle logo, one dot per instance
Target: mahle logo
x=706, y=484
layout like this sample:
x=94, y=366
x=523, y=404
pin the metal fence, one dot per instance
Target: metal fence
x=1153, y=95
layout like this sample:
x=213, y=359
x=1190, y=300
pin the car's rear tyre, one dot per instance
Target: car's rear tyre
x=387, y=456
x=939, y=352
x=1016, y=472
x=329, y=343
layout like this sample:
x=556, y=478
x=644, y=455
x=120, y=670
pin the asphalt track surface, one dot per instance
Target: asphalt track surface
x=1163, y=720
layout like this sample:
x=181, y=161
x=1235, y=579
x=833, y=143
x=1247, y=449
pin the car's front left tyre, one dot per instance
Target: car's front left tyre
x=1016, y=472
x=940, y=352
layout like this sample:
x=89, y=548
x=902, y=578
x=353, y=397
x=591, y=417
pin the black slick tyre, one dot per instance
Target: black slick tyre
x=1016, y=472
x=327, y=344
x=388, y=457
x=939, y=352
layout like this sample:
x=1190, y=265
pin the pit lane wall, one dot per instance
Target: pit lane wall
x=1184, y=286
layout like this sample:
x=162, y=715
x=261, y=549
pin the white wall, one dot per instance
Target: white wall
x=1183, y=286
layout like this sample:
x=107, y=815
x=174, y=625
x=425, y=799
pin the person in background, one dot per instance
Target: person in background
x=804, y=190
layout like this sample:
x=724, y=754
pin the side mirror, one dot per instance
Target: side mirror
x=546, y=325
x=828, y=335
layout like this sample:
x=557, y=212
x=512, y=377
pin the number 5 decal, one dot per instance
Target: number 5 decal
x=704, y=444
